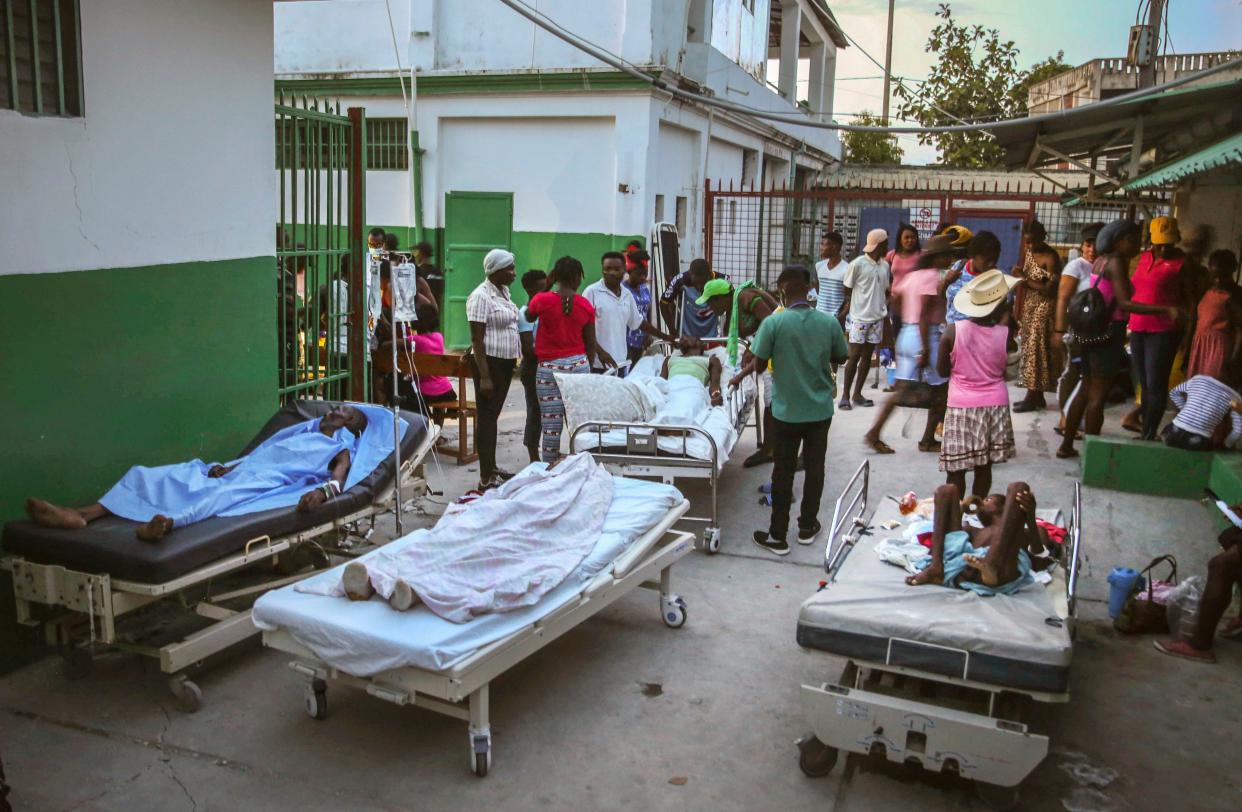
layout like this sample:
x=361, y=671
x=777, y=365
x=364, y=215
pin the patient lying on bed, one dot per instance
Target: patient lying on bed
x=315, y=452
x=692, y=364
x=992, y=559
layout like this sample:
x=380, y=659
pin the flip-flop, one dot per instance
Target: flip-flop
x=1062, y=454
x=879, y=447
x=1060, y=432
x=929, y=447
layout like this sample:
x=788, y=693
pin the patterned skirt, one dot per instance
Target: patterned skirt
x=975, y=436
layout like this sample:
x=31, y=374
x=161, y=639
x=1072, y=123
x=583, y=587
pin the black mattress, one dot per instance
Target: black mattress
x=110, y=545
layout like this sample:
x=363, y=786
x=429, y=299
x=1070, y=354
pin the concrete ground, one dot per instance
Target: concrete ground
x=624, y=713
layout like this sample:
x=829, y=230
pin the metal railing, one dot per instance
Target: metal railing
x=860, y=499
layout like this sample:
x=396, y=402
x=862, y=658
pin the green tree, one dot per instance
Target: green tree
x=974, y=77
x=871, y=148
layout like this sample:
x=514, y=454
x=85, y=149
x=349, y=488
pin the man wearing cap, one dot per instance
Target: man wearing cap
x=616, y=312
x=803, y=345
x=866, y=283
x=494, y=340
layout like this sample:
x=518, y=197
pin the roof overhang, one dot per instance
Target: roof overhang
x=1223, y=153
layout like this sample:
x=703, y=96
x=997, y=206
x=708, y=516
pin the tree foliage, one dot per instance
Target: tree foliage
x=974, y=77
x=871, y=148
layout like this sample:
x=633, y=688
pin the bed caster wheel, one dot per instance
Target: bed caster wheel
x=480, y=754
x=316, y=699
x=188, y=695
x=673, y=610
x=711, y=540
x=997, y=797
x=78, y=663
x=815, y=758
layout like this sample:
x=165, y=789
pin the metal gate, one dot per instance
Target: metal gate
x=751, y=234
x=320, y=291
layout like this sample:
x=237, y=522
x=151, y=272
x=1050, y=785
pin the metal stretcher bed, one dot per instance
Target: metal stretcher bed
x=936, y=677
x=636, y=450
x=426, y=661
x=80, y=583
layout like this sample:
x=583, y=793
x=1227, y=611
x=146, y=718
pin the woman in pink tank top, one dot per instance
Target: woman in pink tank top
x=978, y=429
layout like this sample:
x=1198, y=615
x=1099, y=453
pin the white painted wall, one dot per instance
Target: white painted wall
x=741, y=35
x=172, y=161
x=341, y=35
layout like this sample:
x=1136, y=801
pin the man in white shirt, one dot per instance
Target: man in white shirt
x=866, y=285
x=616, y=312
x=829, y=275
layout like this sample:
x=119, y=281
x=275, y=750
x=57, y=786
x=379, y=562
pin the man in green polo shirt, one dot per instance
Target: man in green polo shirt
x=803, y=345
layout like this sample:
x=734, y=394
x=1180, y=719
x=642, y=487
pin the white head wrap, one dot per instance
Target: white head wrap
x=497, y=259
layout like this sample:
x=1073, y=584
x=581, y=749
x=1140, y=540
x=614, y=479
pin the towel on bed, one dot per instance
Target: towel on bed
x=502, y=551
x=273, y=475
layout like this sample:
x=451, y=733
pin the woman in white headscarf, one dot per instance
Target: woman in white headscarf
x=494, y=339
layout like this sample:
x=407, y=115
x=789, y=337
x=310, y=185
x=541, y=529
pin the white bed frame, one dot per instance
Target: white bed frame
x=462, y=691
x=86, y=608
x=641, y=456
x=922, y=719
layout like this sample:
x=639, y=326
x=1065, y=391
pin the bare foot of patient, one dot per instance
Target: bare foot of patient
x=155, y=529
x=44, y=513
x=932, y=574
x=987, y=570
x=402, y=597
x=357, y=582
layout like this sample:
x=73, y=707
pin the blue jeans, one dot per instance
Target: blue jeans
x=1153, y=355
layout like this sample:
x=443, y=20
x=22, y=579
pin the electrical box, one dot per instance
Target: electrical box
x=1142, y=47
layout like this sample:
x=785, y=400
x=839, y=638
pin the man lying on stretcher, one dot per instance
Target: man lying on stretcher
x=994, y=558
x=315, y=452
x=692, y=363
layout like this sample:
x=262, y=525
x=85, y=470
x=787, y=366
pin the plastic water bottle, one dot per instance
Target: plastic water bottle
x=1121, y=582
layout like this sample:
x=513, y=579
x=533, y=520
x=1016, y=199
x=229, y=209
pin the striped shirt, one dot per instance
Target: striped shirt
x=831, y=291
x=1202, y=403
x=494, y=309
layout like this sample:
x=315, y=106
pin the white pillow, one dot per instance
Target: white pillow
x=600, y=397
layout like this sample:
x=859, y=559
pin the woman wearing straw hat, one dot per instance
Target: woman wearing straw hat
x=978, y=430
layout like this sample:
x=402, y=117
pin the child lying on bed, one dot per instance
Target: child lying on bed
x=315, y=451
x=693, y=364
x=992, y=559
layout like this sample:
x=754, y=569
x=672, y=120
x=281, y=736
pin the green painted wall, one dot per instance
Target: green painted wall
x=536, y=249
x=109, y=368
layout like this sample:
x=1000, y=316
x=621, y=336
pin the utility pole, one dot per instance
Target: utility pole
x=1155, y=15
x=888, y=60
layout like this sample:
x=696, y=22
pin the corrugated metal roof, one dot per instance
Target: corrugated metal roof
x=1222, y=153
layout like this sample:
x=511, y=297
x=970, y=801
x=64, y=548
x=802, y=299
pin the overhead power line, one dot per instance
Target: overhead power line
x=622, y=65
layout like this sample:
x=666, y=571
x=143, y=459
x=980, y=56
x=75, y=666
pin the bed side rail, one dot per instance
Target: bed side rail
x=1075, y=552
x=843, y=514
x=642, y=441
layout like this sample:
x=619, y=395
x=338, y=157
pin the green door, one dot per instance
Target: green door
x=474, y=223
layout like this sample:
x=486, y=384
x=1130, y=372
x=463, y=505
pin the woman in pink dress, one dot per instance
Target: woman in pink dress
x=1217, y=336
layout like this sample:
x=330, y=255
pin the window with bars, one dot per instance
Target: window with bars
x=41, y=57
x=387, y=146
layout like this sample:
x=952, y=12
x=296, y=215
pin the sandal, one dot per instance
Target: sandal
x=929, y=447
x=1062, y=454
x=1078, y=435
x=879, y=446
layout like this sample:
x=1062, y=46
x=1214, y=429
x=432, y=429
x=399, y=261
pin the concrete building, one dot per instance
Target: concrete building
x=1102, y=79
x=136, y=245
x=530, y=143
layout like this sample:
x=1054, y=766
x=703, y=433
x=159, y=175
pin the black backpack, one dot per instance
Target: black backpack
x=1089, y=315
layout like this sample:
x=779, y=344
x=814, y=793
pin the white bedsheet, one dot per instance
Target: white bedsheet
x=366, y=637
x=683, y=402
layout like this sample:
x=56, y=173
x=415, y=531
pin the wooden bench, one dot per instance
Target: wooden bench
x=463, y=410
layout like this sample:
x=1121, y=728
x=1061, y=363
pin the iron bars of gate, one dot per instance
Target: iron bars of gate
x=320, y=288
x=750, y=234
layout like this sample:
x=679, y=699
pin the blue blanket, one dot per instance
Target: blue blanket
x=275, y=474
x=956, y=547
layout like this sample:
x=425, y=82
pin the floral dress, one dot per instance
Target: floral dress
x=1040, y=364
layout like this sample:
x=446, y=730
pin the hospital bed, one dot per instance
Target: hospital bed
x=417, y=658
x=672, y=452
x=939, y=678
x=79, y=584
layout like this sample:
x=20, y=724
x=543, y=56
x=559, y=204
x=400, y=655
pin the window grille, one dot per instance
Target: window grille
x=387, y=143
x=41, y=57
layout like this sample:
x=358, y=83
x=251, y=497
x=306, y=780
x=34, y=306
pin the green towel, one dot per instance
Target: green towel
x=734, y=327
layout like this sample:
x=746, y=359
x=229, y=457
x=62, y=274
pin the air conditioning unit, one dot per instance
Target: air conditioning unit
x=1142, y=47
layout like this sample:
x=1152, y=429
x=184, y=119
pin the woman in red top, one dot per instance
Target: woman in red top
x=1217, y=339
x=564, y=343
x=1155, y=337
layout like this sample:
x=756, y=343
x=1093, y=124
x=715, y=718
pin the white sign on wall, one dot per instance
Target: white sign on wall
x=925, y=219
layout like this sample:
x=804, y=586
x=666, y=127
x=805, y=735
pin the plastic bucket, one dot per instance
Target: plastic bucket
x=1121, y=582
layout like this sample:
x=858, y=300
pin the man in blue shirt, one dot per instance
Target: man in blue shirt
x=697, y=321
x=803, y=345
x=636, y=281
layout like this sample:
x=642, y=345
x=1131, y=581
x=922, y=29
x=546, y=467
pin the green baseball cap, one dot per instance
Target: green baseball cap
x=716, y=287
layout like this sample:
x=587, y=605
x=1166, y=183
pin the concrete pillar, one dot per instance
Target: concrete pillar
x=815, y=85
x=791, y=26
x=828, y=98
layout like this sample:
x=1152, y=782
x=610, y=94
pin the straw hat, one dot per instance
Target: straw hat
x=982, y=294
x=940, y=244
